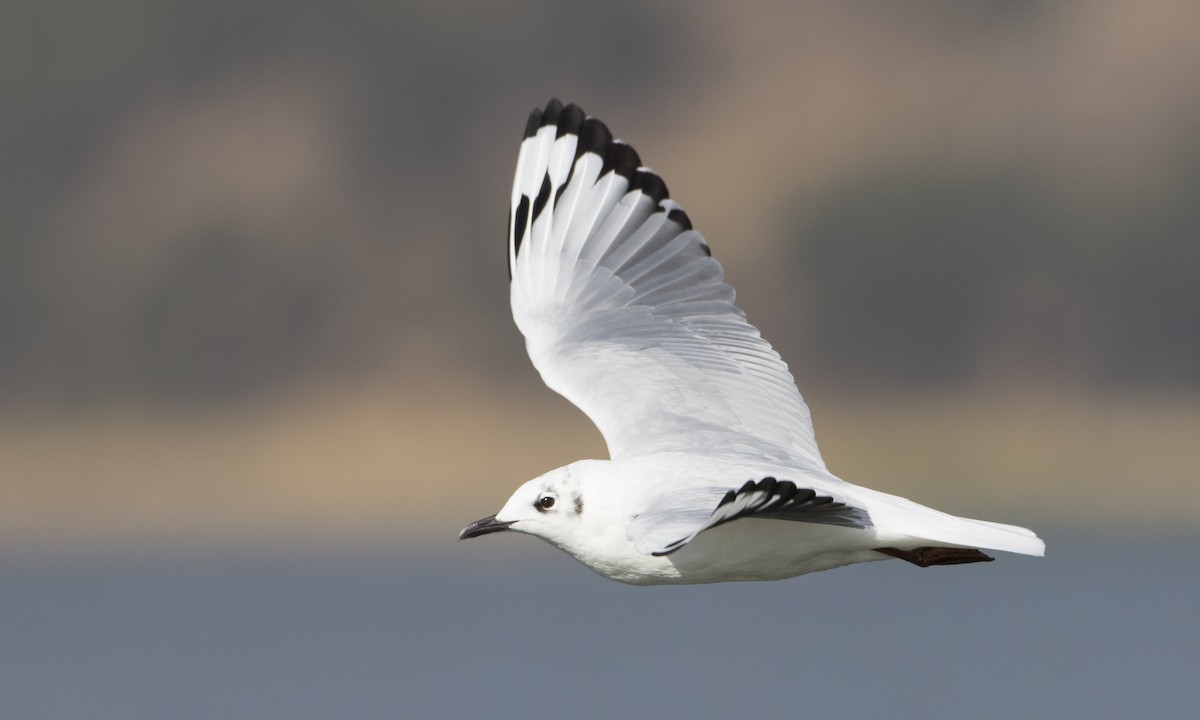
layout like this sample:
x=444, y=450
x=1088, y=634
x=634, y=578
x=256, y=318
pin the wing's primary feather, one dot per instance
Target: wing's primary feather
x=625, y=312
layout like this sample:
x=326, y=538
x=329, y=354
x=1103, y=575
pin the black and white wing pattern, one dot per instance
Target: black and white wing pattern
x=674, y=522
x=625, y=312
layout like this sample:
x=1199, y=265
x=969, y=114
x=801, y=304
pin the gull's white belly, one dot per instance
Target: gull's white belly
x=746, y=549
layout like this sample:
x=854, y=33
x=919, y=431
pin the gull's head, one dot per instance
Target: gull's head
x=549, y=507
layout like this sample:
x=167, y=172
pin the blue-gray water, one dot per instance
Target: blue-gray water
x=504, y=627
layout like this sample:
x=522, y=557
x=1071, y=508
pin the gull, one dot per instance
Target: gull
x=714, y=473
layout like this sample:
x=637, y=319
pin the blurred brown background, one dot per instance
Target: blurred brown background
x=252, y=286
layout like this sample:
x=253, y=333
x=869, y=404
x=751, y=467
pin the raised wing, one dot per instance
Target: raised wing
x=625, y=312
x=676, y=520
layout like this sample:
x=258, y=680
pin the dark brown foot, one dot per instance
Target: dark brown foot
x=926, y=556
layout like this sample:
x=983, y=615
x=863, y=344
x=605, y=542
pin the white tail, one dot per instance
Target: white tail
x=903, y=523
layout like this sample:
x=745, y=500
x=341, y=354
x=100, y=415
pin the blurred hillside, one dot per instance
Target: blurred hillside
x=224, y=221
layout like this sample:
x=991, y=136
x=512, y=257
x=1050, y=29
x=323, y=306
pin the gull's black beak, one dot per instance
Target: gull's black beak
x=487, y=525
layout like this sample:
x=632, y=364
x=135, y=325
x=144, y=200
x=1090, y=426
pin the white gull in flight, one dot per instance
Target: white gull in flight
x=714, y=473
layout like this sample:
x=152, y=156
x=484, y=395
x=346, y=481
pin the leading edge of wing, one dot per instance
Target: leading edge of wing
x=624, y=311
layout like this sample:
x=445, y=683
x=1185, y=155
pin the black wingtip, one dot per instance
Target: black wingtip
x=680, y=218
x=570, y=120
x=552, y=113
x=651, y=185
x=622, y=159
x=784, y=500
x=593, y=137
x=533, y=123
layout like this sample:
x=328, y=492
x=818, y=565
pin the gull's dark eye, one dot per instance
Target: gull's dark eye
x=546, y=502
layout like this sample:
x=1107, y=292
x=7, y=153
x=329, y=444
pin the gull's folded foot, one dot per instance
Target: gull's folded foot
x=926, y=556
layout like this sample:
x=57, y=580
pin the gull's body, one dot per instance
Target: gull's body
x=715, y=473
